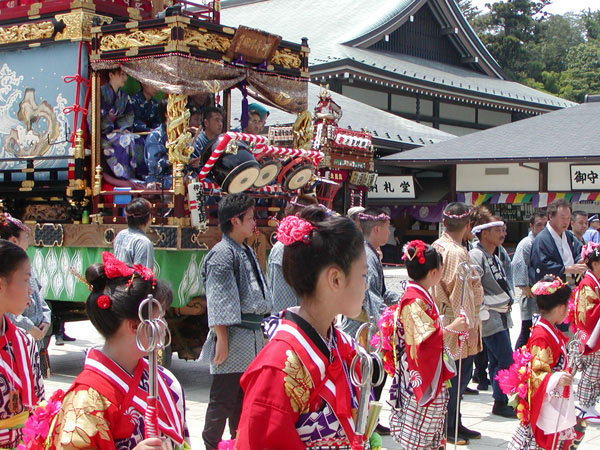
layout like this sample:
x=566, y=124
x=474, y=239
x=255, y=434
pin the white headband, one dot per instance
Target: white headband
x=485, y=226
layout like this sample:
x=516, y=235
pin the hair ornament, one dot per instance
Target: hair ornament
x=113, y=268
x=294, y=202
x=591, y=248
x=293, y=229
x=5, y=218
x=419, y=251
x=464, y=215
x=548, y=287
x=380, y=218
x=81, y=278
x=103, y=301
x=485, y=226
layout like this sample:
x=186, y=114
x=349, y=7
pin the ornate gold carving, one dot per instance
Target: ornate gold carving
x=78, y=24
x=178, y=136
x=136, y=39
x=206, y=40
x=231, y=148
x=297, y=382
x=285, y=58
x=283, y=99
x=98, y=180
x=178, y=186
x=303, y=130
x=26, y=32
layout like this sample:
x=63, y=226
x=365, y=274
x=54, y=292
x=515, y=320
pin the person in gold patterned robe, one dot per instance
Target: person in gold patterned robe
x=297, y=392
x=586, y=318
x=419, y=393
x=547, y=413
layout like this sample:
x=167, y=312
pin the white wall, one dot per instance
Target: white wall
x=457, y=112
x=377, y=99
x=457, y=131
x=472, y=178
x=488, y=117
x=559, y=177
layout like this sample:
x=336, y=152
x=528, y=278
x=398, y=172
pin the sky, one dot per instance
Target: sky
x=557, y=6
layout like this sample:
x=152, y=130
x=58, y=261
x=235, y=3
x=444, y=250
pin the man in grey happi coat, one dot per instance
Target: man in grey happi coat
x=237, y=300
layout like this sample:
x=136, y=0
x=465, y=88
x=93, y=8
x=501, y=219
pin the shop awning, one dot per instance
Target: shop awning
x=538, y=199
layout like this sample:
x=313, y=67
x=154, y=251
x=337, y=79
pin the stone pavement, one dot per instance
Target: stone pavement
x=67, y=362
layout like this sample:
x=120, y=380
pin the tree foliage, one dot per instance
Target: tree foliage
x=554, y=53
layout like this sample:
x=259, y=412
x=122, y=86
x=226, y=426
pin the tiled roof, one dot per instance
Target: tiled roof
x=329, y=24
x=566, y=134
x=358, y=116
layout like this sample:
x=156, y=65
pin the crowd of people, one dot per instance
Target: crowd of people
x=281, y=346
x=134, y=133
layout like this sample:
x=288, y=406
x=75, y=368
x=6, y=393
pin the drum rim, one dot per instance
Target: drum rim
x=276, y=164
x=240, y=168
x=300, y=169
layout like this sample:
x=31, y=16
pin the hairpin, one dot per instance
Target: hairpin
x=81, y=278
x=590, y=248
x=419, y=253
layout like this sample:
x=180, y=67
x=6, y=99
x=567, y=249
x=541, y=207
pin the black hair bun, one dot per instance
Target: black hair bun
x=96, y=277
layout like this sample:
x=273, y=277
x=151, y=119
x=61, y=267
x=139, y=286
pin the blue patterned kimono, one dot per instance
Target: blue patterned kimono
x=122, y=150
x=377, y=297
x=282, y=294
x=157, y=157
x=232, y=292
x=146, y=115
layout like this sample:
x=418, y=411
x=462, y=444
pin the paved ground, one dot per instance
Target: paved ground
x=67, y=361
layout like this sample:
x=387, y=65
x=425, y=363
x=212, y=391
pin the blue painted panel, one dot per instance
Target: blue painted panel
x=32, y=98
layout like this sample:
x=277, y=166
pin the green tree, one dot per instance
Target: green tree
x=469, y=10
x=509, y=28
x=581, y=76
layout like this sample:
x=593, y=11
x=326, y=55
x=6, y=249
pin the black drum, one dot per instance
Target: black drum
x=269, y=168
x=236, y=169
x=296, y=173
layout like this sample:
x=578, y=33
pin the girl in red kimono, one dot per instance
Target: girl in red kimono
x=537, y=380
x=21, y=383
x=104, y=407
x=414, y=340
x=585, y=317
x=297, y=391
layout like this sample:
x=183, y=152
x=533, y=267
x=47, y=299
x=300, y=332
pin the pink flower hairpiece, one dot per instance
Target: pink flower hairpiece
x=6, y=217
x=293, y=229
x=547, y=287
x=381, y=217
x=589, y=248
x=419, y=251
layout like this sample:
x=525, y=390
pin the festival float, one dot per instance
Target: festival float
x=54, y=54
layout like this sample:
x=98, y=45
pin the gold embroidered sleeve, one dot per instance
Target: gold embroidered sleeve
x=541, y=365
x=585, y=299
x=297, y=382
x=83, y=421
x=418, y=325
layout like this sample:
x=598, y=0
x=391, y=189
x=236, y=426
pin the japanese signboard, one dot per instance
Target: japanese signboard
x=401, y=186
x=585, y=177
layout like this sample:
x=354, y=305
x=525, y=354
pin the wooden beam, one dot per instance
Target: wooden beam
x=470, y=60
x=449, y=30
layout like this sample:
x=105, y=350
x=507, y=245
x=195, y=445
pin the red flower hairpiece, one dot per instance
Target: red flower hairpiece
x=419, y=251
x=103, y=301
x=292, y=229
x=113, y=268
